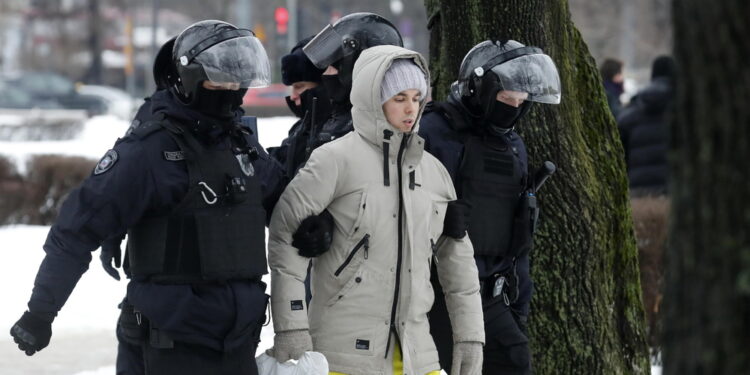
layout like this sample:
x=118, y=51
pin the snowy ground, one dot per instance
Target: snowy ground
x=83, y=340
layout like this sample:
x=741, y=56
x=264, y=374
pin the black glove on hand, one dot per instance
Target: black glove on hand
x=314, y=235
x=111, y=251
x=456, y=220
x=32, y=332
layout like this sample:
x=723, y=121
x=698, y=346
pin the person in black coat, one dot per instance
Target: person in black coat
x=192, y=188
x=473, y=135
x=308, y=101
x=643, y=126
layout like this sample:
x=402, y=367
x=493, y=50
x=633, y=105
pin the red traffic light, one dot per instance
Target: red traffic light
x=281, y=15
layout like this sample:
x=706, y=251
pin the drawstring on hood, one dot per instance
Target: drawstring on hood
x=386, y=148
x=367, y=108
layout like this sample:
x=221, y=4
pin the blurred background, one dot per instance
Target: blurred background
x=96, y=55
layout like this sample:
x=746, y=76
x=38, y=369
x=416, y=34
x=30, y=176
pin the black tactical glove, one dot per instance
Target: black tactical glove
x=32, y=332
x=111, y=251
x=456, y=220
x=314, y=235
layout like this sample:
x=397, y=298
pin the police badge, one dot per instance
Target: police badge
x=245, y=164
x=107, y=161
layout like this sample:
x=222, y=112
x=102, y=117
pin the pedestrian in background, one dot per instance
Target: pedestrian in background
x=614, y=83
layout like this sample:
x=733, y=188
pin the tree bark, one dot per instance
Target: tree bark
x=707, y=299
x=587, y=316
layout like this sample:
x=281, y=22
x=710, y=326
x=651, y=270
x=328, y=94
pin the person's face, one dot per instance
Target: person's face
x=298, y=88
x=401, y=109
x=330, y=71
x=211, y=85
x=511, y=98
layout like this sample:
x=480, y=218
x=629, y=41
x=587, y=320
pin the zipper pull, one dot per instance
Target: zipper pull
x=367, y=246
x=434, y=250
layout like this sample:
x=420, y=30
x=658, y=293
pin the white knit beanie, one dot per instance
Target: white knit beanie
x=404, y=74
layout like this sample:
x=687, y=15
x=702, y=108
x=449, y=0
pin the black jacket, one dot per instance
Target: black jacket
x=297, y=147
x=446, y=143
x=142, y=181
x=643, y=128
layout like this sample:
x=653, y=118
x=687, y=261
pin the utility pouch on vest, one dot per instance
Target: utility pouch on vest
x=492, y=181
x=132, y=326
x=523, y=226
x=231, y=242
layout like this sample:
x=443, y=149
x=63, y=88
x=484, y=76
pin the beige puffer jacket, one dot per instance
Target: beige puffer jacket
x=375, y=279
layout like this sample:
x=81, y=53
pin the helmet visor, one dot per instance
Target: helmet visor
x=241, y=61
x=534, y=74
x=326, y=48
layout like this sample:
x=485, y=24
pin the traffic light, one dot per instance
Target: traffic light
x=281, y=15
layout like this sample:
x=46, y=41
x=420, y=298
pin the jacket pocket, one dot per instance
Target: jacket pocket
x=363, y=243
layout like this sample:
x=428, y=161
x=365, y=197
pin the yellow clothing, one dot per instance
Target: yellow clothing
x=398, y=365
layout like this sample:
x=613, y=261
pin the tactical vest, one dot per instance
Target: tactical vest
x=217, y=232
x=491, y=180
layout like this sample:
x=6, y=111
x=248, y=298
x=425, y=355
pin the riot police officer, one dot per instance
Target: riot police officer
x=193, y=189
x=308, y=101
x=335, y=49
x=473, y=135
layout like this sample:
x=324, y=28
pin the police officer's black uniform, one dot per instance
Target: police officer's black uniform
x=472, y=135
x=313, y=111
x=193, y=190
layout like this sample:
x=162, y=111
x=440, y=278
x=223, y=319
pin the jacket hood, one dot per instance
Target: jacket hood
x=367, y=110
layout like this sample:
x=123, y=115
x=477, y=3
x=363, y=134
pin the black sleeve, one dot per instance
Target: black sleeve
x=442, y=142
x=105, y=205
x=272, y=177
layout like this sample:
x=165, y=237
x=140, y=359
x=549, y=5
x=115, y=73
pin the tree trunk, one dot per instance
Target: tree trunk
x=707, y=299
x=587, y=316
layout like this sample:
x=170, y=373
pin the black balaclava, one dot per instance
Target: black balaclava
x=220, y=104
x=337, y=91
x=503, y=116
x=322, y=106
x=297, y=110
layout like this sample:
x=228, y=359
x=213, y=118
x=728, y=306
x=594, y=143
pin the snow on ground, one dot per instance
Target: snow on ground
x=83, y=340
x=101, y=132
x=97, y=136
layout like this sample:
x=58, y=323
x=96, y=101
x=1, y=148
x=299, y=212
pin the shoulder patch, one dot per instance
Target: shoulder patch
x=106, y=162
x=174, y=155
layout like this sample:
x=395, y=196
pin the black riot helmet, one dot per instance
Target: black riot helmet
x=165, y=73
x=494, y=66
x=220, y=52
x=340, y=44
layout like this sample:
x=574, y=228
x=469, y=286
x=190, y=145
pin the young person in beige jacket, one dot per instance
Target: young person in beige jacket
x=388, y=198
